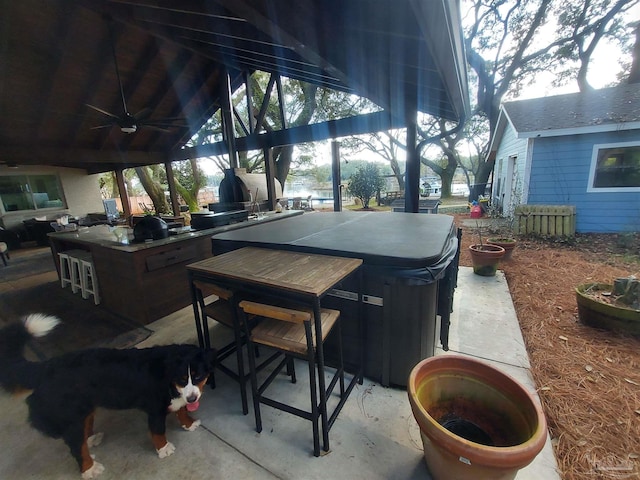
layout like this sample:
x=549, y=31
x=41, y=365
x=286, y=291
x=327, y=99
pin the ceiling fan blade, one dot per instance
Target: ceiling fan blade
x=160, y=123
x=169, y=119
x=112, y=37
x=143, y=114
x=102, y=111
x=159, y=129
x=127, y=122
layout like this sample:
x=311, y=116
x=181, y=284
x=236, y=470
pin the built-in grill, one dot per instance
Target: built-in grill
x=240, y=190
x=202, y=221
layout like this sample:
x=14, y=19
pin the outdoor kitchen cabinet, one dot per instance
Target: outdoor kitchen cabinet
x=143, y=281
x=140, y=282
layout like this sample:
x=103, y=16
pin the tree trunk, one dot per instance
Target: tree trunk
x=154, y=190
x=634, y=76
x=484, y=171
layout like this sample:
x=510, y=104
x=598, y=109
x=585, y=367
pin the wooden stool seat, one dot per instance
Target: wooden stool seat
x=221, y=311
x=288, y=335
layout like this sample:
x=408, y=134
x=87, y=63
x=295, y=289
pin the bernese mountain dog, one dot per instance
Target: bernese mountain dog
x=66, y=390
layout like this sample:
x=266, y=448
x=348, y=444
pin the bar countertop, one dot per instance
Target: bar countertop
x=105, y=236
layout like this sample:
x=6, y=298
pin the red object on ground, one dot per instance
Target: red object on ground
x=476, y=211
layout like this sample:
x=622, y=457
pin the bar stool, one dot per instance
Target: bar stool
x=88, y=280
x=292, y=333
x=76, y=273
x=224, y=311
x=69, y=271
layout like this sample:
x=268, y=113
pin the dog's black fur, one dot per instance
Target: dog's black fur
x=66, y=390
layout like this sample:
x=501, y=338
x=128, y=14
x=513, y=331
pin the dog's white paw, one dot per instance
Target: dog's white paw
x=167, y=450
x=95, y=470
x=95, y=439
x=194, y=425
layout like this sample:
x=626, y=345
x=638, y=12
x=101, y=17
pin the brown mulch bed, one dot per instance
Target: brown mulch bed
x=588, y=379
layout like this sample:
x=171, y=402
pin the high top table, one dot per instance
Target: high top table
x=284, y=276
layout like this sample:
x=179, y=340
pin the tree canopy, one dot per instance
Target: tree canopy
x=509, y=45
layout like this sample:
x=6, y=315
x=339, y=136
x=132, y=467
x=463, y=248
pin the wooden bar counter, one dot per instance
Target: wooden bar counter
x=144, y=281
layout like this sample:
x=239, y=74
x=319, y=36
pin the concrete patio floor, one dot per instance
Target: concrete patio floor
x=375, y=436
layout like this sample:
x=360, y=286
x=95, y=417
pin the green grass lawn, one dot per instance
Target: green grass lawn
x=449, y=204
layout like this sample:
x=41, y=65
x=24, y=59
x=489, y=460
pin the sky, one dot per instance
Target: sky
x=602, y=69
x=602, y=73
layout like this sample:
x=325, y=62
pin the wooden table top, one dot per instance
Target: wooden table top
x=301, y=273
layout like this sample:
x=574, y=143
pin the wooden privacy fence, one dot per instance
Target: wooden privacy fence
x=550, y=220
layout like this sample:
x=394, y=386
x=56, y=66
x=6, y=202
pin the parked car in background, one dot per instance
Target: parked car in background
x=430, y=186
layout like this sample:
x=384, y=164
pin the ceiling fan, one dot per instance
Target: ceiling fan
x=128, y=122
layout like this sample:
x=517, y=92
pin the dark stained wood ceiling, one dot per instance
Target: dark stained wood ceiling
x=56, y=59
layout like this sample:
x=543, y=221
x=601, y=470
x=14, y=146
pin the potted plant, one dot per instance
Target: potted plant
x=507, y=243
x=475, y=421
x=610, y=306
x=485, y=257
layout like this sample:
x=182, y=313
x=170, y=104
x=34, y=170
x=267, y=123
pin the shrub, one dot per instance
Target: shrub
x=365, y=183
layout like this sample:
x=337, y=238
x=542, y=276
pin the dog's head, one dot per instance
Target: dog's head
x=189, y=373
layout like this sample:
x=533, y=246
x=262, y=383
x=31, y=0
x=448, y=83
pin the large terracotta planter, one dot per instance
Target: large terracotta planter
x=499, y=425
x=485, y=258
x=507, y=243
x=604, y=315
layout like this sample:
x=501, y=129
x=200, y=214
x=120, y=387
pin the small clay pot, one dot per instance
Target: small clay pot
x=507, y=243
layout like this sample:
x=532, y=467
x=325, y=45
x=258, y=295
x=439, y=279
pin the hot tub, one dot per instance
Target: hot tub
x=410, y=269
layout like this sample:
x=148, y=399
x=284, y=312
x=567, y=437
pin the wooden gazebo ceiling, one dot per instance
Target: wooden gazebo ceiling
x=56, y=57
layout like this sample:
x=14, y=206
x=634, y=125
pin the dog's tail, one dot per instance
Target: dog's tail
x=13, y=338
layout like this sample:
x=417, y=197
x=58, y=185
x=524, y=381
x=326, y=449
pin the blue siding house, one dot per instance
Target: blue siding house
x=580, y=149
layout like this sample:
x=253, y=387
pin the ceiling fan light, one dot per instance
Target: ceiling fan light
x=129, y=129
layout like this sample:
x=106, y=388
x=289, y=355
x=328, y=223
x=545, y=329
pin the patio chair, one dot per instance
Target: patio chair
x=146, y=209
x=291, y=334
x=10, y=238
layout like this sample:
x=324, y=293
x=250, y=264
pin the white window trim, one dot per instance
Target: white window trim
x=594, y=162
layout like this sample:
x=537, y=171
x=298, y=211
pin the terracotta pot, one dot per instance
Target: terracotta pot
x=500, y=425
x=485, y=258
x=507, y=243
x=599, y=314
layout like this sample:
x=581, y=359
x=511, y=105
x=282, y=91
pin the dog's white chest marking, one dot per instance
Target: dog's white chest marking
x=188, y=393
x=176, y=404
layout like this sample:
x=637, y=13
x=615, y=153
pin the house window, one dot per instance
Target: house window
x=616, y=166
x=30, y=192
